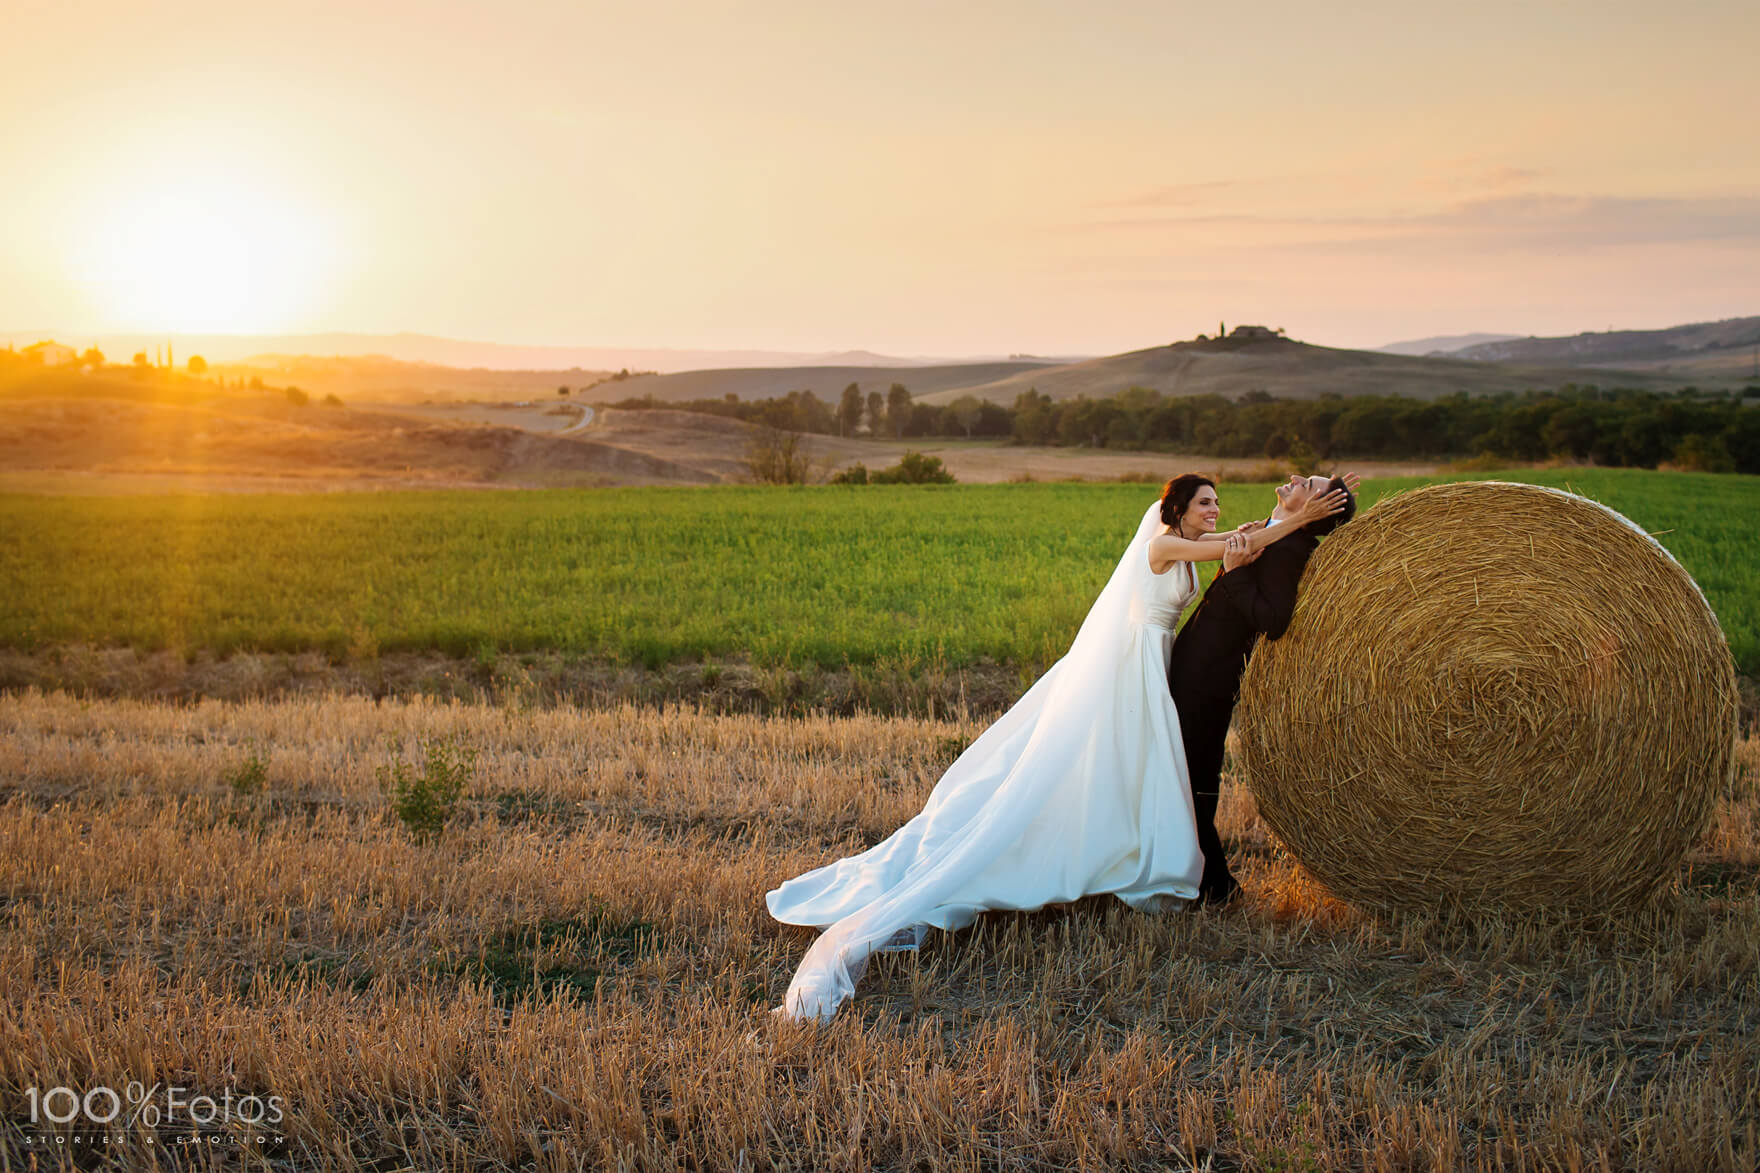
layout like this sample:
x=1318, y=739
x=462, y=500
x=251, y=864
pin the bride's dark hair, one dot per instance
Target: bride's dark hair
x=1177, y=494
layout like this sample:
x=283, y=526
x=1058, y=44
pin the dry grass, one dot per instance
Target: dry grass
x=578, y=973
x=227, y=441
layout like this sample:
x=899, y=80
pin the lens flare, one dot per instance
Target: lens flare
x=193, y=253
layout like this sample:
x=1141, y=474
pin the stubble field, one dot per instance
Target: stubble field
x=577, y=972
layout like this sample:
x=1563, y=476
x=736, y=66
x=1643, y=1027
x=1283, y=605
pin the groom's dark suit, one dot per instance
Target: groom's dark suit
x=1205, y=675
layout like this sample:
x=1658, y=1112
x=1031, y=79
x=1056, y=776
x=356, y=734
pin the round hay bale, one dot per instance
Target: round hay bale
x=1491, y=695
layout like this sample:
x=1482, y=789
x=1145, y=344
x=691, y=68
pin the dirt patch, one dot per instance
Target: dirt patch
x=979, y=463
x=552, y=418
x=540, y=679
x=716, y=444
x=982, y=690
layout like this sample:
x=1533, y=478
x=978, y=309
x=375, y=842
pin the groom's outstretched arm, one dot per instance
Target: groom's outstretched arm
x=1263, y=592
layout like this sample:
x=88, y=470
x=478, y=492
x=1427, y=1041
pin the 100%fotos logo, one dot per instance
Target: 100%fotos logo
x=139, y=1104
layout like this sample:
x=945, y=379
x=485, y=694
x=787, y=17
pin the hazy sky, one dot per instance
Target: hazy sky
x=914, y=178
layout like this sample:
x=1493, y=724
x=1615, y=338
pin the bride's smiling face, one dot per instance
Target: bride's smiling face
x=1200, y=516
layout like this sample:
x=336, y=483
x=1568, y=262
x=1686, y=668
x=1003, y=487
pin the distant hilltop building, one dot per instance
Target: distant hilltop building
x=50, y=354
x=1240, y=335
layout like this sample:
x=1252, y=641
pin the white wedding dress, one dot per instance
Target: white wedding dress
x=1081, y=788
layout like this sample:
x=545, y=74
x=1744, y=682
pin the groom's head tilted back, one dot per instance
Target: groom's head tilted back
x=1299, y=490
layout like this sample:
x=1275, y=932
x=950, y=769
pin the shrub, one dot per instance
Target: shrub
x=914, y=468
x=425, y=802
x=855, y=474
x=297, y=397
x=249, y=775
x=1698, y=454
x=776, y=457
x=1741, y=439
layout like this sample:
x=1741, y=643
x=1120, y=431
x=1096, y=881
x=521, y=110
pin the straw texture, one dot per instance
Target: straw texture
x=1491, y=695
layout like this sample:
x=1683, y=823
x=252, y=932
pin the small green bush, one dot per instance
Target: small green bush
x=426, y=802
x=249, y=775
x=855, y=474
x=913, y=468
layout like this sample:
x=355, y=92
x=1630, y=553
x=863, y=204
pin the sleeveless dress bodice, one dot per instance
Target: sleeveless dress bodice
x=1165, y=596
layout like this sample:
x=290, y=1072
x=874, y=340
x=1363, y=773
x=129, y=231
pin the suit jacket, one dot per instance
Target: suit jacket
x=1253, y=600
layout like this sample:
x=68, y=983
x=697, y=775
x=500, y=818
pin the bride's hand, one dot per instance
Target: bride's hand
x=1351, y=481
x=1248, y=527
x=1319, y=507
x=1235, y=554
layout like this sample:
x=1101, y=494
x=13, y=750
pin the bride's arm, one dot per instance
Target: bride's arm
x=1166, y=549
x=1314, y=510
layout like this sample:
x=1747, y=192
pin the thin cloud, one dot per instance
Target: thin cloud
x=1508, y=176
x=1604, y=220
x=1334, y=187
x=1181, y=195
x=1471, y=174
x=1528, y=220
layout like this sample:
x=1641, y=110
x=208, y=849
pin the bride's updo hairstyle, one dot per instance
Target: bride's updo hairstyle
x=1177, y=494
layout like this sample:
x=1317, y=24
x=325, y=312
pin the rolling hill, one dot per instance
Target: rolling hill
x=110, y=432
x=1441, y=343
x=1249, y=359
x=1287, y=369
x=1621, y=348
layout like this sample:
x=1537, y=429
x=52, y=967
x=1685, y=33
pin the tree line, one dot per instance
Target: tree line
x=893, y=415
x=1713, y=432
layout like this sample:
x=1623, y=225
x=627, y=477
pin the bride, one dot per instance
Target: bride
x=1080, y=788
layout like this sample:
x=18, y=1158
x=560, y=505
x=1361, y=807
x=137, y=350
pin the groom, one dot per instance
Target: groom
x=1254, y=595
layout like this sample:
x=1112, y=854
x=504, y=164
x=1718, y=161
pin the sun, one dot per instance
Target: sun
x=205, y=253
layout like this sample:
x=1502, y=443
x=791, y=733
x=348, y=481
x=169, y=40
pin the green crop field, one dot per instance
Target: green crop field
x=821, y=575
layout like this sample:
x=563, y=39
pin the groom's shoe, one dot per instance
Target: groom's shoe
x=1219, y=895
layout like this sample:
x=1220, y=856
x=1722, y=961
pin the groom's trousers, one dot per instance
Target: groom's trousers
x=1203, y=727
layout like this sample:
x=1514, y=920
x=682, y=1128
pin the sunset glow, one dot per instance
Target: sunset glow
x=913, y=178
x=204, y=254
